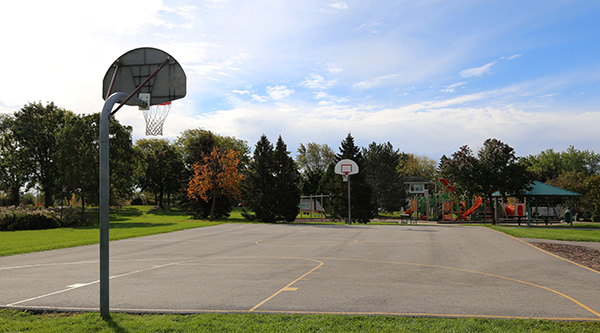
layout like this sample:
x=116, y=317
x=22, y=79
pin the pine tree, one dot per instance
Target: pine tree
x=381, y=168
x=363, y=206
x=287, y=179
x=259, y=182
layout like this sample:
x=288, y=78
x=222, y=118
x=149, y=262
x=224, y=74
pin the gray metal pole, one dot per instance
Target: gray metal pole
x=104, y=197
x=349, y=203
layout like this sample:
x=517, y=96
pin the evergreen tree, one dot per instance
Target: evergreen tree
x=259, y=183
x=363, y=206
x=287, y=179
x=381, y=162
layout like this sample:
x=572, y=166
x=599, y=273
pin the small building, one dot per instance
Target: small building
x=417, y=186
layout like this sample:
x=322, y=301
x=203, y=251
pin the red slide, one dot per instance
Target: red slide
x=447, y=184
x=477, y=204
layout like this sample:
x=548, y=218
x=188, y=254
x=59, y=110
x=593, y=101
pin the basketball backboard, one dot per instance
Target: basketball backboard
x=134, y=67
x=346, y=167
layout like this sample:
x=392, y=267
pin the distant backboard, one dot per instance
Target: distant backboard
x=346, y=167
x=134, y=67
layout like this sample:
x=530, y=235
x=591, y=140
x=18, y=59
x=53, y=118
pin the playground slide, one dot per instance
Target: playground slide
x=447, y=184
x=477, y=204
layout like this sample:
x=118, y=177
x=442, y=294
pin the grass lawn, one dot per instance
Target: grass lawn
x=127, y=222
x=579, y=232
x=12, y=321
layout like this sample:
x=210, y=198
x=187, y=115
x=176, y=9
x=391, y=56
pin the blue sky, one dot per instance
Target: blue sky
x=428, y=76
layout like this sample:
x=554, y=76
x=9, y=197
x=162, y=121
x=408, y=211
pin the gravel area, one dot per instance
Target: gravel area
x=580, y=254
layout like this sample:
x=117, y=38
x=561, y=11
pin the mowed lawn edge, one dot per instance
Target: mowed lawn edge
x=583, y=233
x=129, y=222
x=20, y=321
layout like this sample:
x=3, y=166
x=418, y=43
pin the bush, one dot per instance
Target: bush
x=23, y=218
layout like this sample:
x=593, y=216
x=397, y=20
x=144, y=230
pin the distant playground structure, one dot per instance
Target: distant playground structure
x=312, y=206
x=542, y=203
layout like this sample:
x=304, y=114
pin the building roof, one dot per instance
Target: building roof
x=539, y=189
x=415, y=180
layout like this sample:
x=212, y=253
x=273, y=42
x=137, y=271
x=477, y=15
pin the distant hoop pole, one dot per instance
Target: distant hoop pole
x=349, y=204
x=141, y=85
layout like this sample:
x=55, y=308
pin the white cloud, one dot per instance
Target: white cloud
x=334, y=68
x=339, y=5
x=278, y=93
x=259, y=99
x=478, y=71
x=441, y=126
x=450, y=88
x=317, y=82
x=515, y=56
x=374, y=82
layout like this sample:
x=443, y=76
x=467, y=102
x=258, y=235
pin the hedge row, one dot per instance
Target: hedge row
x=25, y=218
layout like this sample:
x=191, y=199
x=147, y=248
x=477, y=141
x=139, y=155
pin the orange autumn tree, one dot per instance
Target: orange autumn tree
x=216, y=174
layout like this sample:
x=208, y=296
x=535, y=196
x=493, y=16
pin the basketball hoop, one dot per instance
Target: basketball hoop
x=345, y=176
x=155, y=118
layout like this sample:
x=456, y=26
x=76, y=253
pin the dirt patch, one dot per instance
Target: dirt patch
x=579, y=254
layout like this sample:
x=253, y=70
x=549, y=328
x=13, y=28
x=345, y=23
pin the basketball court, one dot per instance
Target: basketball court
x=412, y=270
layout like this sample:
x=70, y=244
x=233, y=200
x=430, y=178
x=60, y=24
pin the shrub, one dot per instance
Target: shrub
x=23, y=218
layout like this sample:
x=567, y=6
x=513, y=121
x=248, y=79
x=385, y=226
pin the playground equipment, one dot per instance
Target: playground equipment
x=313, y=204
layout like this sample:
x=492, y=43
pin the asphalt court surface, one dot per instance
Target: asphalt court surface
x=422, y=270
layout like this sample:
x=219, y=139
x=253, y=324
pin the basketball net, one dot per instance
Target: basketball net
x=345, y=176
x=155, y=118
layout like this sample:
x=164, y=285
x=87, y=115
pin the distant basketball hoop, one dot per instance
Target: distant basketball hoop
x=346, y=168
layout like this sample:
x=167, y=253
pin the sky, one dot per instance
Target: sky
x=427, y=76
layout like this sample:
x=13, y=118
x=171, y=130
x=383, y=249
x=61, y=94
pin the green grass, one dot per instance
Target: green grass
x=581, y=233
x=13, y=321
x=128, y=222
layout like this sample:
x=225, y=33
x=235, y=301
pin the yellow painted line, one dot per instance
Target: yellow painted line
x=476, y=272
x=550, y=253
x=287, y=287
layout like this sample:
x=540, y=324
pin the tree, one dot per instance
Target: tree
x=571, y=169
x=35, y=129
x=313, y=160
x=77, y=157
x=286, y=184
x=161, y=166
x=417, y=166
x=363, y=204
x=314, y=157
x=14, y=174
x=495, y=168
x=259, y=182
x=381, y=162
x=217, y=174
x=195, y=143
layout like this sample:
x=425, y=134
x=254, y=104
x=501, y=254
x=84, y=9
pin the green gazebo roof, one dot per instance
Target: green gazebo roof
x=539, y=189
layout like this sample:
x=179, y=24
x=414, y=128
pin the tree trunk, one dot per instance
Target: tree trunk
x=213, y=205
x=160, y=199
x=48, y=199
x=82, y=204
x=14, y=196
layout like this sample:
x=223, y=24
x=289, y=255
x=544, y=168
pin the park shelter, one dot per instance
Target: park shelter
x=541, y=190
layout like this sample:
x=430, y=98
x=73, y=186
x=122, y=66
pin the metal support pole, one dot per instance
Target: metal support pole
x=349, y=203
x=104, y=196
